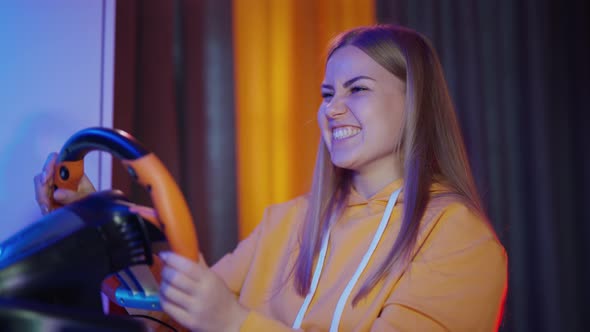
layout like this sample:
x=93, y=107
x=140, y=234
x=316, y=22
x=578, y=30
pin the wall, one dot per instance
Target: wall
x=56, y=77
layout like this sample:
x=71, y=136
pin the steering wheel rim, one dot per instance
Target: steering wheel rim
x=174, y=217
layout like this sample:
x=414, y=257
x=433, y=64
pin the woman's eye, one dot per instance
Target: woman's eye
x=327, y=95
x=355, y=89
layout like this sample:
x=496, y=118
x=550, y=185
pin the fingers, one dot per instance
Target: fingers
x=44, y=184
x=176, y=312
x=182, y=274
x=178, y=287
x=174, y=294
x=182, y=264
x=145, y=212
x=64, y=196
x=85, y=185
x=43, y=193
x=39, y=190
x=181, y=291
x=202, y=260
x=176, y=279
x=48, y=168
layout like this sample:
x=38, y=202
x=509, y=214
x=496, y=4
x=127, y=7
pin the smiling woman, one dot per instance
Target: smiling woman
x=392, y=235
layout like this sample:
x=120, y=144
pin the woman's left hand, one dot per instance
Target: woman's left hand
x=196, y=297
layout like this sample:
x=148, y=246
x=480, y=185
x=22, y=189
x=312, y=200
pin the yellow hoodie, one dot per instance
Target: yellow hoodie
x=456, y=280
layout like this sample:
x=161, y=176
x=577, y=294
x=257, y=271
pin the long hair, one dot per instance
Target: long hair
x=431, y=148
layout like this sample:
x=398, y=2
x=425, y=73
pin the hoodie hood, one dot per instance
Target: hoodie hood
x=354, y=198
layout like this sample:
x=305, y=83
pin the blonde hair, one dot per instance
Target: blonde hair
x=431, y=146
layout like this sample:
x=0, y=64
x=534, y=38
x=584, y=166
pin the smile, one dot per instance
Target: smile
x=341, y=133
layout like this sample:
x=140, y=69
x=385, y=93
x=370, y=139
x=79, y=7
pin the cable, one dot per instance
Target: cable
x=156, y=320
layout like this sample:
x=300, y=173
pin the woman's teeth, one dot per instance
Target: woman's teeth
x=344, y=132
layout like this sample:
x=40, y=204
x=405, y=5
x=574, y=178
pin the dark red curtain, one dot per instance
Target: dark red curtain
x=518, y=72
x=174, y=92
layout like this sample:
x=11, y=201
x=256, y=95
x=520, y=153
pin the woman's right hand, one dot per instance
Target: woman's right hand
x=44, y=187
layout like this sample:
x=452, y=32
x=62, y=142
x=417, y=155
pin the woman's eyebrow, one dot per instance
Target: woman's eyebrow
x=349, y=82
x=354, y=79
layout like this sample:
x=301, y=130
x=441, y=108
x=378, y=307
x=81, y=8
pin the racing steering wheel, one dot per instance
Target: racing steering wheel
x=173, y=215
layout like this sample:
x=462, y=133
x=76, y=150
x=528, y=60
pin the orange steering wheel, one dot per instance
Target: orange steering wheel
x=173, y=215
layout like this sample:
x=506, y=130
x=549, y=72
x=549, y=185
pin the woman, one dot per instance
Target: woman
x=392, y=235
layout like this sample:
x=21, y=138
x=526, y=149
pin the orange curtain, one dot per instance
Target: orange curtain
x=279, y=50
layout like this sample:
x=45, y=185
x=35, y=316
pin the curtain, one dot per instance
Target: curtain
x=518, y=72
x=174, y=92
x=278, y=52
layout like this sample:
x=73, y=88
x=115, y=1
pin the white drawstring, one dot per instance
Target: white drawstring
x=314, y=282
x=362, y=265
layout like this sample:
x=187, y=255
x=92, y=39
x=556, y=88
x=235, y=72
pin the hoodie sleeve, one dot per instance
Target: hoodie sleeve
x=233, y=267
x=258, y=322
x=456, y=282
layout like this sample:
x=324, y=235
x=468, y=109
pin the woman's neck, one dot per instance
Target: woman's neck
x=368, y=183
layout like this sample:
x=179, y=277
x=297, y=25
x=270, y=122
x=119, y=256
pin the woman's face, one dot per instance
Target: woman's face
x=361, y=114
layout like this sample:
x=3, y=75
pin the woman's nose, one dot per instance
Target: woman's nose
x=335, y=108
